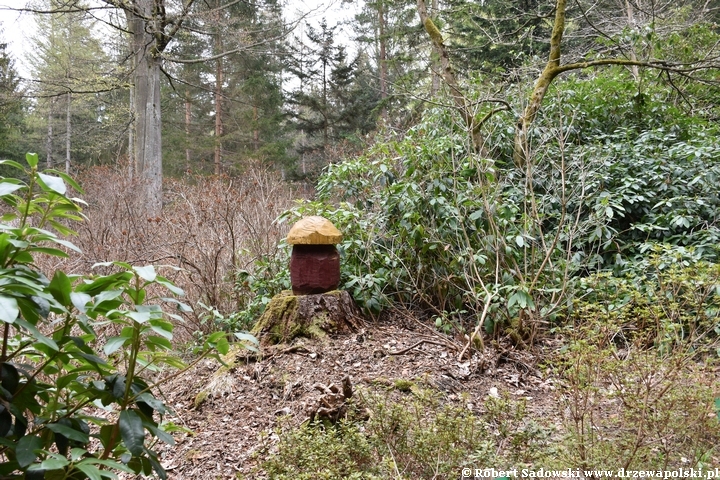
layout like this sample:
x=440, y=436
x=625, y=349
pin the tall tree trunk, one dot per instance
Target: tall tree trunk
x=436, y=70
x=631, y=22
x=256, y=130
x=49, y=138
x=471, y=123
x=68, y=132
x=552, y=69
x=131, y=136
x=218, y=104
x=325, y=112
x=148, y=136
x=187, y=130
x=383, y=61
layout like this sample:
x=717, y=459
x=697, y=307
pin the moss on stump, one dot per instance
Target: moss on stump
x=288, y=316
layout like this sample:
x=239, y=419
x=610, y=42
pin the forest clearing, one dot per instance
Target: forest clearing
x=524, y=210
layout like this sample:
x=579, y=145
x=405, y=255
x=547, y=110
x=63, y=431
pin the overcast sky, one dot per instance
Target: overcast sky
x=18, y=27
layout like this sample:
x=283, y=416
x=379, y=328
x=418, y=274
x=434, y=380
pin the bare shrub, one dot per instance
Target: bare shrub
x=210, y=227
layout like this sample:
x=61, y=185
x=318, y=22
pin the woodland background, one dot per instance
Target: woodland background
x=531, y=176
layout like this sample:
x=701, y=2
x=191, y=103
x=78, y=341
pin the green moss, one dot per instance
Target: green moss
x=280, y=323
x=200, y=398
x=403, y=384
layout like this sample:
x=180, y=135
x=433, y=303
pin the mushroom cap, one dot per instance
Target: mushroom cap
x=314, y=230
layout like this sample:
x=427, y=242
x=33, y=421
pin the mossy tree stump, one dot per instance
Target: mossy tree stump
x=314, y=316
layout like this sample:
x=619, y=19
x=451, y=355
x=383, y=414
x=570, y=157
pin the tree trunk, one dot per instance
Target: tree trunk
x=131, y=136
x=631, y=22
x=435, y=72
x=471, y=123
x=552, y=69
x=383, y=62
x=187, y=131
x=218, y=110
x=68, y=132
x=219, y=73
x=148, y=136
x=49, y=138
x=288, y=316
x=256, y=130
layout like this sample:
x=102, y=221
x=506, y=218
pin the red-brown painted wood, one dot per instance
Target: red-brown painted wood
x=314, y=269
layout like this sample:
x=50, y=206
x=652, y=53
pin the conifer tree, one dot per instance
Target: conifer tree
x=11, y=105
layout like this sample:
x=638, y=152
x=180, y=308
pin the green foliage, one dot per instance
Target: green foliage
x=270, y=276
x=316, y=452
x=669, y=301
x=629, y=406
x=417, y=434
x=495, y=36
x=427, y=223
x=660, y=188
x=604, y=102
x=75, y=345
x=11, y=106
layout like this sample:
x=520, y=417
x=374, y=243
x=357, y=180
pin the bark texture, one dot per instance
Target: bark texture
x=148, y=138
x=288, y=316
x=471, y=122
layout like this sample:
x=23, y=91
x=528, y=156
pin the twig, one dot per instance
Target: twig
x=480, y=324
x=405, y=350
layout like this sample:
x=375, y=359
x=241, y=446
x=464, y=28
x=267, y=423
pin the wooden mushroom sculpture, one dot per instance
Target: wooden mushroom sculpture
x=315, y=262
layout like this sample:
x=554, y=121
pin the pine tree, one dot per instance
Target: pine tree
x=236, y=95
x=325, y=104
x=11, y=105
x=389, y=34
x=69, y=71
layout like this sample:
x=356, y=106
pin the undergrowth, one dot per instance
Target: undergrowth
x=217, y=230
x=417, y=434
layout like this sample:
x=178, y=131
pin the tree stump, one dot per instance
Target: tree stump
x=314, y=316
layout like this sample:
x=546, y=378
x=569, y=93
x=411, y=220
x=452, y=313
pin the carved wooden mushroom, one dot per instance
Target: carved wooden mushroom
x=315, y=262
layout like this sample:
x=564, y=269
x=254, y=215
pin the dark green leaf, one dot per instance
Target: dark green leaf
x=5, y=421
x=61, y=288
x=38, y=474
x=161, y=434
x=157, y=467
x=69, y=432
x=113, y=344
x=92, y=472
x=162, y=328
x=25, y=449
x=42, y=339
x=10, y=378
x=158, y=342
x=153, y=402
x=12, y=164
x=107, y=463
x=107, y=295
x=50, y=251
x=132, y=431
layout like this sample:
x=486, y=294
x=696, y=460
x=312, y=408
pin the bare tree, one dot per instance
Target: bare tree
x=152, y=25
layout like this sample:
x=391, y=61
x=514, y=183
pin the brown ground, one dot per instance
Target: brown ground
x=234, y=426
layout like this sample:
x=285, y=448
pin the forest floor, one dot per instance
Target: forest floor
x=234, y=415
